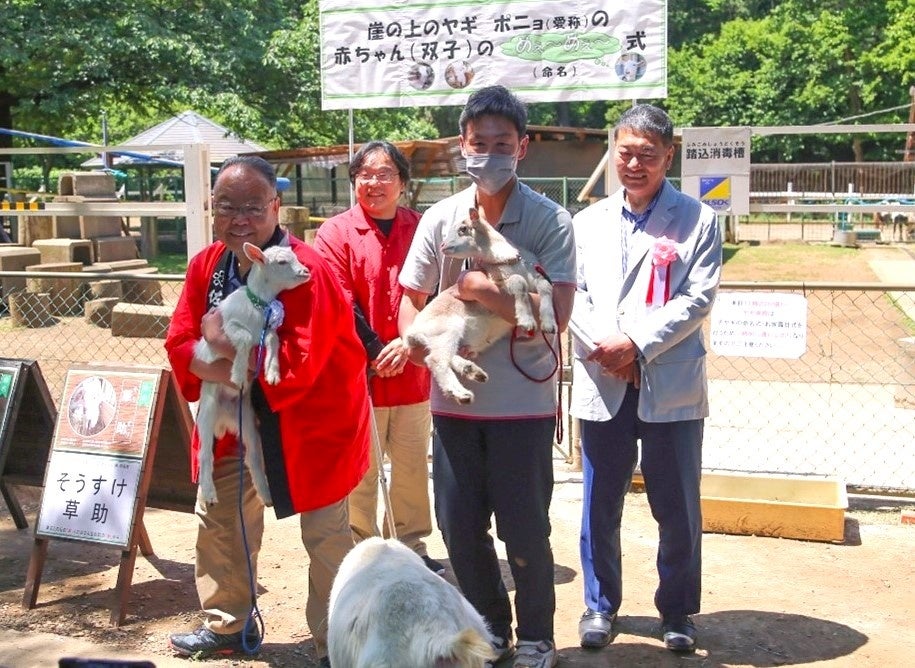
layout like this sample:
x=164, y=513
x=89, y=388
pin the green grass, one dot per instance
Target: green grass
x=170, y=263
x=794, y=262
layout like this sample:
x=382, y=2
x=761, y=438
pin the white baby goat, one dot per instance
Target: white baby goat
x=388, y=610
x=243, y=319
x=448, y=324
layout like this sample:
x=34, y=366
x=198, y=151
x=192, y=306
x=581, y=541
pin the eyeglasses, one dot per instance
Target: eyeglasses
x=381, y=177
x=249, y=211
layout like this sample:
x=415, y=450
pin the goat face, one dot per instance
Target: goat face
x=474, y=239
x=285, y=271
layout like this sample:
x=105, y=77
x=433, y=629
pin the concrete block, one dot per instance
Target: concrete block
x=108, y=249
x=120, y=265
x=30, y=309
x=88, y=184
x=16, y=258
x=142, y=291
x=66, y=227
x=30, y=228
x=98, y=311
x=809, y=508
x=105, y=288
x=140, y=320
x=93, y=227
x=66, y=294
x=64, y=250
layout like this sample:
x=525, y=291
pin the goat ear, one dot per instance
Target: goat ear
x=254, y=253
x=475, y=219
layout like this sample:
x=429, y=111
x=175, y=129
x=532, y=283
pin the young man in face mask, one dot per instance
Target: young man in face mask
x=494, y=456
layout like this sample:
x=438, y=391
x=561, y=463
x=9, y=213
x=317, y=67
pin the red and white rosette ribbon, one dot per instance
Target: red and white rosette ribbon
x=663, y=253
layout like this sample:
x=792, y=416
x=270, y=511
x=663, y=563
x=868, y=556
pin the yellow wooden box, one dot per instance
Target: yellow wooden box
x=810, y=508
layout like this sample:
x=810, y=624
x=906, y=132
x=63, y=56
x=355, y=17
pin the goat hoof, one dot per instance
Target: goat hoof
x=480, y=377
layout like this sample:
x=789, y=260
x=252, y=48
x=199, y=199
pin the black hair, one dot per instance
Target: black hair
x=256, y=163
x=494, y=101
x=397, y=157
x=646, y=119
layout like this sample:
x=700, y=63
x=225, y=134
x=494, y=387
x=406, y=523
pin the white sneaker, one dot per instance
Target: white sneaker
x=535, y=654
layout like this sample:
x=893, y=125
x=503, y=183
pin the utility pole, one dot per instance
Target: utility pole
x=909, y=155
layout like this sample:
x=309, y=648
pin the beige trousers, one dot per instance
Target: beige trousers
x=404, y=432
x=221, y=571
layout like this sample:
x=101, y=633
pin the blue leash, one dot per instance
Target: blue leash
x=273, y=317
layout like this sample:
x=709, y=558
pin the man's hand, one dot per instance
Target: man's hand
x=392, y=359
x=614, y=354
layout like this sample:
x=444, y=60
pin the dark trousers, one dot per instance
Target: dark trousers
x=671, y=467
x=482, y=468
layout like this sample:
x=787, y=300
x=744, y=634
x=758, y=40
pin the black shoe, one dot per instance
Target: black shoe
x=435, y=566
x=596, y=628
x=324, y=662
x=203, y=642
x=679, y=633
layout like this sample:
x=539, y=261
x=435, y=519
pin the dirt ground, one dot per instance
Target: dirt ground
x=766, y=601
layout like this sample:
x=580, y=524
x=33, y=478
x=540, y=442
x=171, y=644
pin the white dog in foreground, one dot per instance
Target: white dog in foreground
x=244, y=318
x=388, y=610
x=448, y=324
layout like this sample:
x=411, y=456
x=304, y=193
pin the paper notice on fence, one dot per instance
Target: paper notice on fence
x=402, y=53
x=759, y=324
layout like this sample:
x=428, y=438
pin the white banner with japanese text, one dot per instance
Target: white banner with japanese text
x=402, y=53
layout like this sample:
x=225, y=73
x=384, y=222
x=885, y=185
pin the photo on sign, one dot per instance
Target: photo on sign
x=105, y=412
x=631, y=66
x=92, y=406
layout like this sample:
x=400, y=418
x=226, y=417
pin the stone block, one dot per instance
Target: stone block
x=31, y=309
x=64, y=250
x=140, y=320
x=87, y=184
x=65, y=294
x=66, y=227
x=16, y=258
x=105, y=289
x=93, y=227
x=142, y=291
x=119, y=265
x=98, y=311
x=31, y=228
x=109, y=249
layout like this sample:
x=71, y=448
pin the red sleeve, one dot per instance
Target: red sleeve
x=314, y=315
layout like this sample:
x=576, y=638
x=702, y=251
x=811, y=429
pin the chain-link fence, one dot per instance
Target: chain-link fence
x=846, y=407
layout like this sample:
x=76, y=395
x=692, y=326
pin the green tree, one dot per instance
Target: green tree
x=798, y=65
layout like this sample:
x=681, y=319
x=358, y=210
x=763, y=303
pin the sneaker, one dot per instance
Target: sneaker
x=436, y=567
x=502, y=648
x=595, y=629
x=535, y=654
x=679, y=633
x=203, y=642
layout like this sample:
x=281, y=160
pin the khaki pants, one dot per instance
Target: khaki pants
x=221, y=571
x=404, y=432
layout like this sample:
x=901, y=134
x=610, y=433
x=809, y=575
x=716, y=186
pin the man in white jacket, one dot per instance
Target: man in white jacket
x=649, y=262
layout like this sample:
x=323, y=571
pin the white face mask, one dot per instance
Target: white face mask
x=491, y=171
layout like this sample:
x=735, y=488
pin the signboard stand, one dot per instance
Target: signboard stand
x=27, y=417
x=100, y=467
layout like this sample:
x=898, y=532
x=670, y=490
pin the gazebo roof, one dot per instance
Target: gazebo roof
x=188, y=127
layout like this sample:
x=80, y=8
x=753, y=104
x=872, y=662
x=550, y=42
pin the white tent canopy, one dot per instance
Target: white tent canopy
x=188, y=127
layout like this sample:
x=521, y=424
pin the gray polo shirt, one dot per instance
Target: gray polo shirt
x=543, y=228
